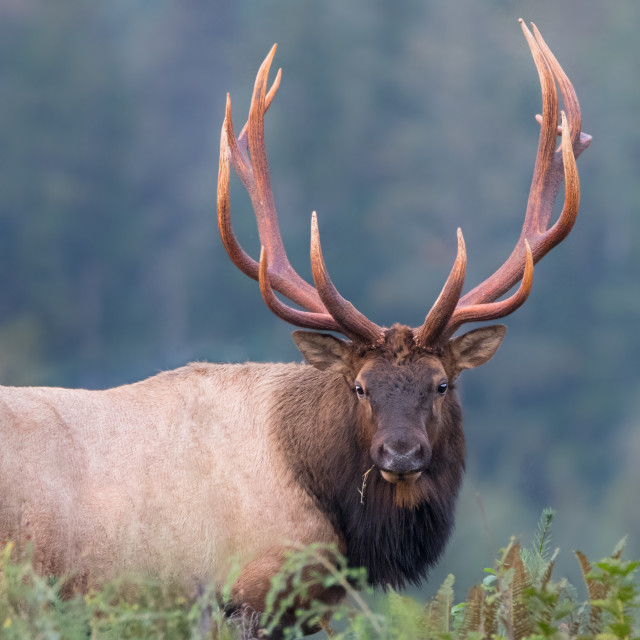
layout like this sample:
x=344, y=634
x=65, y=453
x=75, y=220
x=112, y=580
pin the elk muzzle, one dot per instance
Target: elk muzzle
x=401, y=456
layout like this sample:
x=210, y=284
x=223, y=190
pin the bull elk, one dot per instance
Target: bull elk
x=176, y=474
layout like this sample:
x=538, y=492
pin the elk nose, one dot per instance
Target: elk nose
x=403, y=458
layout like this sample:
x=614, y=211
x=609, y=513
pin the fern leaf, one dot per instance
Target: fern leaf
x=542, y=539
x=596, y=590
x=440, y=607
x=521, y=621
x=576, y=620
x=406, y=616
x=472, y=621
x=490, y=616
x=546, y=576
x=619, y=548
x=536, y=557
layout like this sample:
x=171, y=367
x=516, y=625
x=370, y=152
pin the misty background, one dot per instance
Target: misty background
x=398, y=122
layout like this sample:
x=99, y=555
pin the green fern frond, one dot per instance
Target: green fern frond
x=542, y=537
x=439, y=609
x=406, y=617
x=537, y=557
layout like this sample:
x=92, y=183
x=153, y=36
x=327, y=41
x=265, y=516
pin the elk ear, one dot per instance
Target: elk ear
x=322, y=350
x=477, y=347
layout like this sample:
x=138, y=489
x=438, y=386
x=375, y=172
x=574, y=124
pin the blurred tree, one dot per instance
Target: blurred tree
x=63, y=129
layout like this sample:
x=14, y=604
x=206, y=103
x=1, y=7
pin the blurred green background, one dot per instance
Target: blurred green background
x=397, y=122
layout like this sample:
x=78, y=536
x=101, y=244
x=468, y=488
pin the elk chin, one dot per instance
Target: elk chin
x=394, y=478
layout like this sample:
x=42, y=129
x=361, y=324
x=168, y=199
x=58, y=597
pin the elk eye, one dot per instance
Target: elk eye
x=359, y=390
x=442, y=388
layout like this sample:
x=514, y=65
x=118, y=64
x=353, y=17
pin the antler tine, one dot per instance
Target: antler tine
x=238, y=256
x=353, y=323
x=242, y=138
x=253, y=170
x=550, y=167
x=494, y=310
x=569, y=97
x=323, y=308
x=445, y=305
x=307, y=319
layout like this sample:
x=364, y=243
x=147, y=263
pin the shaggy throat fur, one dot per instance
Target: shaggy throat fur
x=395, y=542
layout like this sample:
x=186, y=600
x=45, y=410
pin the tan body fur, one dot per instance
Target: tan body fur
x=169, y=476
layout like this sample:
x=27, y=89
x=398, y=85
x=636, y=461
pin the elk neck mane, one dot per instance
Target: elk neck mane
x=315, y=415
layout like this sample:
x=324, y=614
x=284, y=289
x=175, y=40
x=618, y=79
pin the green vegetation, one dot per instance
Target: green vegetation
x=518, y=599
x=32, y=607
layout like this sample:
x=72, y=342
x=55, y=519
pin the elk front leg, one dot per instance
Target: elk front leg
x=250, y=590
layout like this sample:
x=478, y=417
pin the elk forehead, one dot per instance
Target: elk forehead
x=400, y=363
x=385, y=379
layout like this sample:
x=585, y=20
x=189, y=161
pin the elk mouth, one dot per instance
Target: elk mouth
x=394, y=478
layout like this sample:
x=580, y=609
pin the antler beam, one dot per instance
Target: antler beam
x=536, y=238
x=322, y=307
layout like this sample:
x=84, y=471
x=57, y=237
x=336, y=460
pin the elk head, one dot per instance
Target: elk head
x=402, y=378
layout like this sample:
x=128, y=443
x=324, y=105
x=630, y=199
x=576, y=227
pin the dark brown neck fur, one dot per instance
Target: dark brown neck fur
x=397, y=540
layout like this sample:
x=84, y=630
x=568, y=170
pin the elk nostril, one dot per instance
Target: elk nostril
x=385, y=451
x=416, y=452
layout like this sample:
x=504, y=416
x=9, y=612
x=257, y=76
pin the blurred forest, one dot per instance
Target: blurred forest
x=397, y=122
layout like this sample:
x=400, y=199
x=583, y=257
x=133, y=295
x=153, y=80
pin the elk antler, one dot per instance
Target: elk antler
x=536, y=238
x=323, y=307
